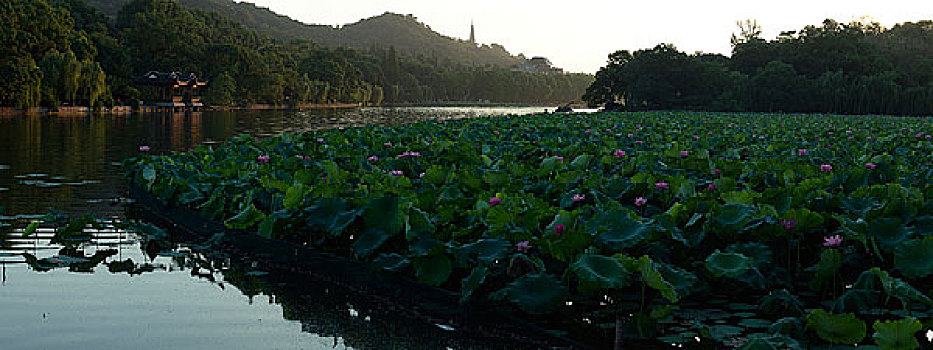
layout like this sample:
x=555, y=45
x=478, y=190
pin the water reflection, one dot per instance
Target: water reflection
x=330, y=314
x=108, y=287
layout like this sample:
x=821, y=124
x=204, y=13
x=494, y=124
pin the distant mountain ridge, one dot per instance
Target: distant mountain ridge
x=404, y=32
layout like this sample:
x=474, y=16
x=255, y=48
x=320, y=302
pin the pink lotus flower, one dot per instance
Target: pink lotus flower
x=262, y=159
x=421, y=176
x=868, y=138
x=397, y=172
x=559, y=158
x=320, y=140
x=373, y=159
x=640, y=201
x=801, y=152
x=608, y=130
x=639, y=142
x=144, y=148
x=631, y=135
x=496, y=132
x=523, y=246
x=826, y=167
x=661, y=186
x=717, y=171
x=928, y=137
x=788, y=224
x=387, y=144
x=578, y=198
x=696, y=138
x=494, y=201
x=832, y=241
x=684, y=154
x=559, y=229
x=588, y=132
x=870, y=166
x=711, y=187
x=618, y=153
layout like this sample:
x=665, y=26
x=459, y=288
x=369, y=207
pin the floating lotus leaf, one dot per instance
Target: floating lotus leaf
x=727, y=264
x=843, y=329
x=724, y=333
x=898, y=334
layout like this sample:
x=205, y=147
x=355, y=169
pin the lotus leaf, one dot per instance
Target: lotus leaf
x=897, y=334
x=387, y=213
x=432, y=270
x=727, y=264
x=330, y=215
x=471, y=282
x=370, y=240
x=485, y=251
x=844, y=329
x=247, y=218
x=535, y=293
x=616, y=230
x=605, y=272
x=914, y=258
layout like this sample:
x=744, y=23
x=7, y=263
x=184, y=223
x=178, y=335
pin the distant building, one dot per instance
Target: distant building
x=537, y=64
x=472, y=34
x=172, y=91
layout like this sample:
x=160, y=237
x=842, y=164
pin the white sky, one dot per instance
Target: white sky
x=579, y=35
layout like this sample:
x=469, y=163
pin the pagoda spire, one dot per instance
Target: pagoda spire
x=472, y=33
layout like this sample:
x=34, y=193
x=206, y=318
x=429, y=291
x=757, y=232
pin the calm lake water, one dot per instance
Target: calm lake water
x=177, y=298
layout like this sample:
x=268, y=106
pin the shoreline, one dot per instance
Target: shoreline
x=82, y=110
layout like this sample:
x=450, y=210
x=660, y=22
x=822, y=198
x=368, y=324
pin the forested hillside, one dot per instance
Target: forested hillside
x=855, y=68
x=64, y=51
x=405, y=33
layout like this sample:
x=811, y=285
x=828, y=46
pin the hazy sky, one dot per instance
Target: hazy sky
x=577, y=35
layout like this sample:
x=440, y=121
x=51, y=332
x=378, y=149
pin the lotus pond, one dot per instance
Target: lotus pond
x=101, y=281
x=697, y=229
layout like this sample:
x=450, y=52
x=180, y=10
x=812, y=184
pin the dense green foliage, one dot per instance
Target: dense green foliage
x=817, y=224
x=403, y=32
x=66, y=51
x=834, y=68
x=46, y=57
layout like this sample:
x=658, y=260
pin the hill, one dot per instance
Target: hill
x=404, y=32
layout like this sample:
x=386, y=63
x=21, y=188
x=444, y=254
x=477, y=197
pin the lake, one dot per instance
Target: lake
x=176, y=297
